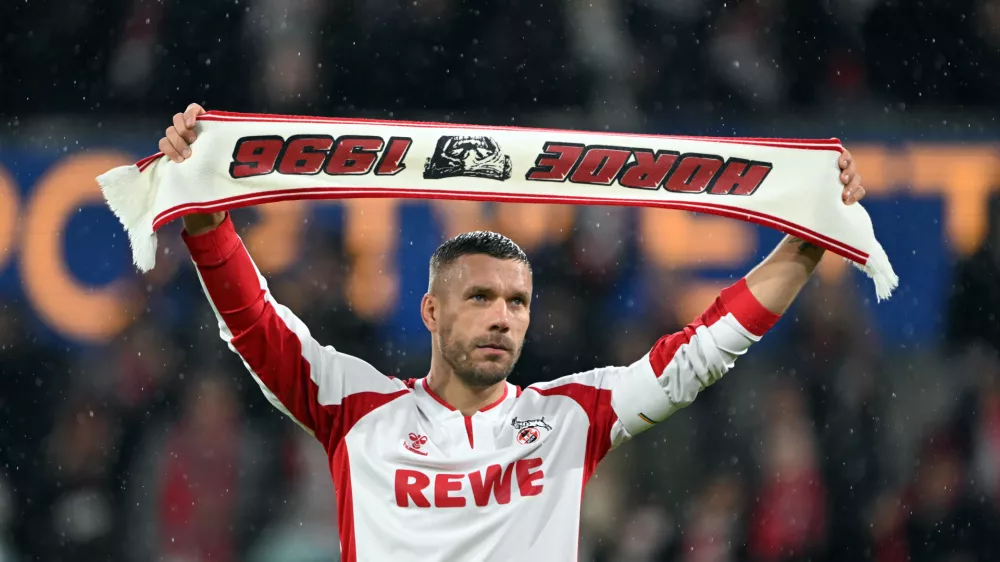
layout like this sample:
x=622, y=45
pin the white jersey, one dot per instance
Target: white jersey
x=417, y=480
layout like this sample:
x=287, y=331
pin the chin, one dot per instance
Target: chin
x=485, y=375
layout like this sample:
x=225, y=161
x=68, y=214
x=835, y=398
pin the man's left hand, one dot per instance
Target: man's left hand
x=853, y=191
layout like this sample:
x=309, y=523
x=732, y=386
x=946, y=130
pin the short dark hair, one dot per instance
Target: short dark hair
x=482, y=242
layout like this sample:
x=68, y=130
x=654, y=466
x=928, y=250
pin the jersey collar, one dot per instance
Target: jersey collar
x=440, y=406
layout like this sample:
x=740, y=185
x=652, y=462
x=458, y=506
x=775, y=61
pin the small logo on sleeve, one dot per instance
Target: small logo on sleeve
x=646, y=419
x=527, y=430
x=415, y=442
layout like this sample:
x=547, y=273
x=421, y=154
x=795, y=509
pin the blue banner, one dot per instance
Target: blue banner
x=65, y=254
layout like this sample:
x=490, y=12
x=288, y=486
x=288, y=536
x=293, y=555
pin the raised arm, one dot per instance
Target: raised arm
x=624, y=401
x=323, y=390
x=779, y=278
x=687, y=362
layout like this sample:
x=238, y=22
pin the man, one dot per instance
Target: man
x=460, y=464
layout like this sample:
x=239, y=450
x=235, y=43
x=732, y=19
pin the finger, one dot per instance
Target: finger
x=168, y=150
x=845, y=159
x=853, y=192
x=182, y=129
x=179, y=144
x=191, y=114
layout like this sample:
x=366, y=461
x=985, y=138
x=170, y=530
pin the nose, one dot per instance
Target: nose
x=499, y=316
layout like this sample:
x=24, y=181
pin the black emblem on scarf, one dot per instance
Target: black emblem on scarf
x=468, y=156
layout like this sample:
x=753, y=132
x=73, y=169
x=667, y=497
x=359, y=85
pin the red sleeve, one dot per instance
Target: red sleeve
x=735, y=300
x=325, y=391
x=228, y=274
x=622, y=402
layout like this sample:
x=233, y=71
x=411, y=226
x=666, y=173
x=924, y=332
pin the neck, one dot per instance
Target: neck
x=458, y=395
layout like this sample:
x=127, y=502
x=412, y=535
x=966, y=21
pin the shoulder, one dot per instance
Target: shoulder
x=362, y=401
x=591, y=390
x=586, y=381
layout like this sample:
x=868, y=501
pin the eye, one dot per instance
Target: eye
x=518, y=301
x=478, y=297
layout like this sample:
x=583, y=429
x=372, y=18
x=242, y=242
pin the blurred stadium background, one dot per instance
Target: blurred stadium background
x=855, y=431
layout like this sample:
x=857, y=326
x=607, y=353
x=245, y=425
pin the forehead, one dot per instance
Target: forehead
x=483, y=270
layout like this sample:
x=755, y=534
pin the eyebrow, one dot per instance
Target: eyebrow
x=523, y=295
x=479, y=289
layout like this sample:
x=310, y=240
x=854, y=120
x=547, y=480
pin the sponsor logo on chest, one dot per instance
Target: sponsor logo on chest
x=415, y=488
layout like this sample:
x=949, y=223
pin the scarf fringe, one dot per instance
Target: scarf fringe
x=132, y=203
x=880, y=271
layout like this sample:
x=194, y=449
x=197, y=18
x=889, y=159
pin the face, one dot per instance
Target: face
x=478, y=310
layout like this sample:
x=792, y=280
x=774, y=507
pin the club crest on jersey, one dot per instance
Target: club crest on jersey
x=415, y=442
x=527, y=436
x=527, y=430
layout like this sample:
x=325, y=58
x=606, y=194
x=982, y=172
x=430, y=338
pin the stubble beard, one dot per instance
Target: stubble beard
x=474, y=374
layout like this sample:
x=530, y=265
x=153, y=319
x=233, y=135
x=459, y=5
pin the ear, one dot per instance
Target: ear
x=429, y=311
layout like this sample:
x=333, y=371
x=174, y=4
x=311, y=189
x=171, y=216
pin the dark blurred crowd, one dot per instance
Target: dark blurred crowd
x=493, y=59
x=826, y=446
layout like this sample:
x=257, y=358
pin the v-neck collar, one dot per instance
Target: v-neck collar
x=444, y=407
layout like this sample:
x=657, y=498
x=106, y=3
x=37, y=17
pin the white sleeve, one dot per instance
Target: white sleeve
x=680, y=365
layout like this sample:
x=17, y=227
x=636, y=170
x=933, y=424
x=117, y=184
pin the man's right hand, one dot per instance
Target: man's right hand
x=176, y=145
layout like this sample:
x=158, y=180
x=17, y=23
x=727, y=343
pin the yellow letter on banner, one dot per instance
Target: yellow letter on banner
x=456, y=217
x=964, y=176
x=8, y=217
x=532, y=225
x=674, y=238
x=83, y=313
x=371, y=231
x=275, y=240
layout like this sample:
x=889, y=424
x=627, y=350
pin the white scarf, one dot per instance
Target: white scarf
x=791, y=185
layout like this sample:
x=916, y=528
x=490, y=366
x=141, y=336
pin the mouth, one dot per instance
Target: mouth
x=492, y=347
